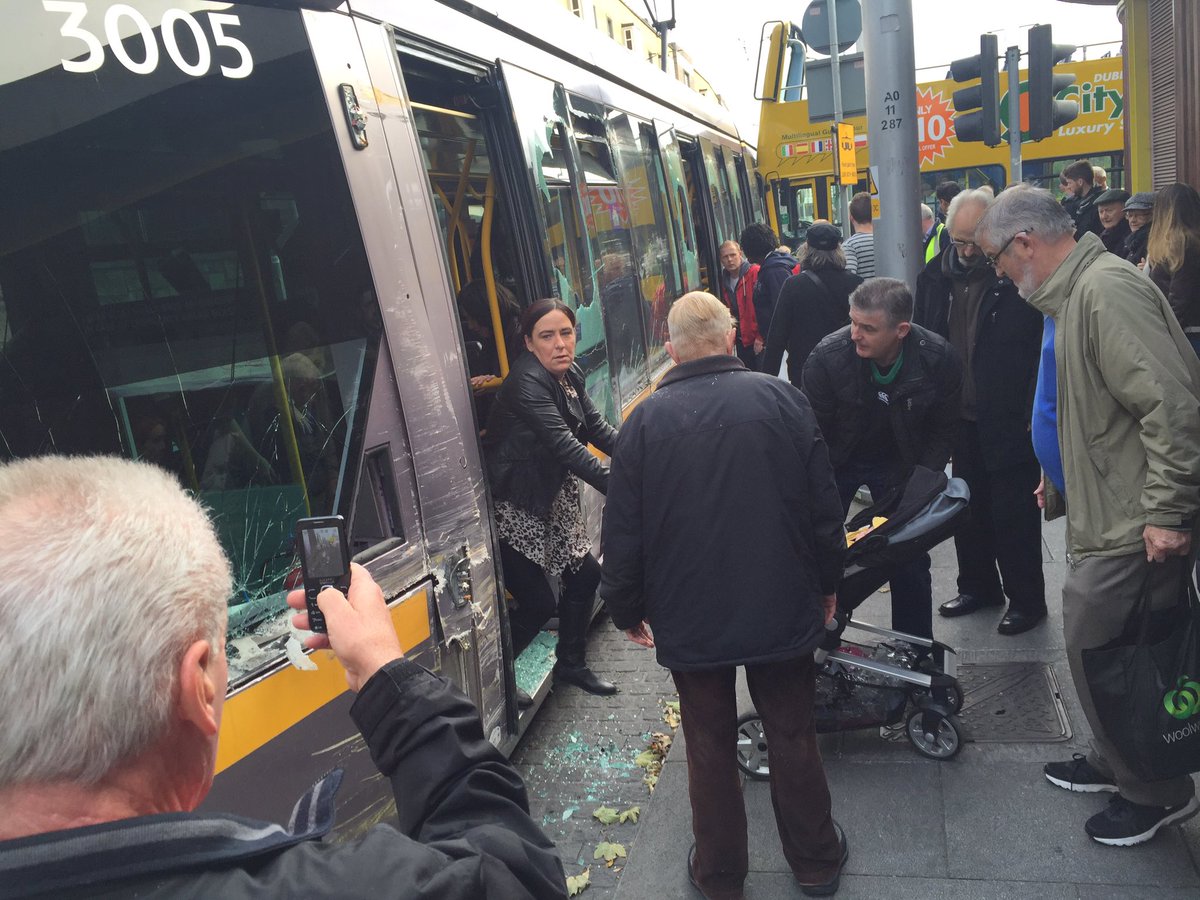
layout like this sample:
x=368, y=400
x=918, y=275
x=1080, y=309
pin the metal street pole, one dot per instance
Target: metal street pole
x=1012, y=62
x=662, y=26
x=892, y=136
x=841, y=196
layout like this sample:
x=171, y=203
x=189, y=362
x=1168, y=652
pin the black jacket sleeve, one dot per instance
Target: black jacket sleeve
x=458, y=799
x=820, y=391
x=1183, y=293
x=946, y=413
x=826, y=515
x=622, y=577
x=781, y=325
x=537, y=408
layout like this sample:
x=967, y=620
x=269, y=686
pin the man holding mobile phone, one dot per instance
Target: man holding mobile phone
x=101, y=773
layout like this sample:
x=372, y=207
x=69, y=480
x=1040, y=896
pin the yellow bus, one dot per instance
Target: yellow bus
x=795, y=156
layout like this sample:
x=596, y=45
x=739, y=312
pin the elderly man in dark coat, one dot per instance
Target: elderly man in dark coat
x=717, y=443
x=997, y=334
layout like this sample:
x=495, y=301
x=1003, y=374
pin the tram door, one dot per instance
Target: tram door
x=453, y=116
x=681, y=208
x=703, y=213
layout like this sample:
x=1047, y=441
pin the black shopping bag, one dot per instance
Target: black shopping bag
x=1146, y=688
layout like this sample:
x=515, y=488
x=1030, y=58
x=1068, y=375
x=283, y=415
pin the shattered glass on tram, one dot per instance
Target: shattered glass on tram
x=197, y=295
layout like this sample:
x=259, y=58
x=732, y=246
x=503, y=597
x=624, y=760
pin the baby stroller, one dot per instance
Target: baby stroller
x=866, y=685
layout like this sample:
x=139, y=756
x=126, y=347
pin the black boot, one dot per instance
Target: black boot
x=583, y=677
x=571, y=667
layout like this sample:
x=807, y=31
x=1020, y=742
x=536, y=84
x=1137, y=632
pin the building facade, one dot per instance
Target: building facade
x=634, y=32
x=1162, y=89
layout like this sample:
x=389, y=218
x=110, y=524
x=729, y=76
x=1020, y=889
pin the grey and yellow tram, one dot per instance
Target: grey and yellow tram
x=231, y=241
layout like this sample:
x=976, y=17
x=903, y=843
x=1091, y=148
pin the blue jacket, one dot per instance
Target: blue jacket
x=776, y=268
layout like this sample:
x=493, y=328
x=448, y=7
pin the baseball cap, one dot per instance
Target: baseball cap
x=823, y=236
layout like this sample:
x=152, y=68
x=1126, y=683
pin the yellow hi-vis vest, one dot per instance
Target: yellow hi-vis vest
x=935, y=242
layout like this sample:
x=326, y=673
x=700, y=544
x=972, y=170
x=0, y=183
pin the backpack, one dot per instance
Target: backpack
x=764, y=306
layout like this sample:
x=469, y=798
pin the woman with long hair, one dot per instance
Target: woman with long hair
x=537, y=451
x=1173, y=254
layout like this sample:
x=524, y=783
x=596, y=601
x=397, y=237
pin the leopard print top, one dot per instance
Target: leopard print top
x=557, y=542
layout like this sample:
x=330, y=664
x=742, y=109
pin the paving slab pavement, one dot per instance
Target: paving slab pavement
x=984, y=825
x=579, y=752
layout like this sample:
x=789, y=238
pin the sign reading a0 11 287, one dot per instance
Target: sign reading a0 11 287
x=186, y=42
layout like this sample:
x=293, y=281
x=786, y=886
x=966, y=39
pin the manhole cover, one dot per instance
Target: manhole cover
x=1011, y=703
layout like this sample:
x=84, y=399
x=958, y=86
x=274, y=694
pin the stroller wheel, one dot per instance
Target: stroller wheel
x=951, y=697
x=752, y=747
x=934, y=734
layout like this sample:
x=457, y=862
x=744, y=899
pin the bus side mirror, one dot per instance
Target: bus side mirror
x=779, y=76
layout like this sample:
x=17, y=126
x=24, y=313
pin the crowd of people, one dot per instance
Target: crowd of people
x=1050, y=352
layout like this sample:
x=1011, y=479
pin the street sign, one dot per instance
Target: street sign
x=815, y=25
x=844, y=162
x=820, y=88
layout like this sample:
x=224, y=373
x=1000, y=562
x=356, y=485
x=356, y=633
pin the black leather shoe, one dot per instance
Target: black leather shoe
x=964, y=604
x=1016, y=621
x=524, y=701
x=583, y=677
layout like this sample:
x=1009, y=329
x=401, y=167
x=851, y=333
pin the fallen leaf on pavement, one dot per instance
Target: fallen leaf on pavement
x=609, y=852
x=606, y=815
x=577, y=884
x=671, y=713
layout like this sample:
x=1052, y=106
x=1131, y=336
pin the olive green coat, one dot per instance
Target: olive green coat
x=1128, y=404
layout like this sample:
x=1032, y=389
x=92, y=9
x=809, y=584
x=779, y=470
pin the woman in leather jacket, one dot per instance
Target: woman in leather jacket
x=536, y=447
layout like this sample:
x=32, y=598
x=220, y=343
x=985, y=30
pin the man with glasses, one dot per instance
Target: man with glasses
x=1116, y=429
x=961, y=298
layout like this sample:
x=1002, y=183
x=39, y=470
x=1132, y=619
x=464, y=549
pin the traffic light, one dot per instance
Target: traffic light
x=1046, y=114
x=977, y=108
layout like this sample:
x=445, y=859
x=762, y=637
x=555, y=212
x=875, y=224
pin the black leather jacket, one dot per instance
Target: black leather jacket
x=925, y=405
x=536, y=435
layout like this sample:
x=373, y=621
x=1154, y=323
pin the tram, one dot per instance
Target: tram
x=232, y=240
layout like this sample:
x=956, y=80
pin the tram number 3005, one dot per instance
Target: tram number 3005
x=196, y=60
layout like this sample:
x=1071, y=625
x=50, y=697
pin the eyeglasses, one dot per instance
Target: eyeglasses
x=992, y=260
x=963, y=245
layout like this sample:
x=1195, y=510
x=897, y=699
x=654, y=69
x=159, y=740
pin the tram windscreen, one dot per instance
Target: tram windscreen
x=182, y=278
